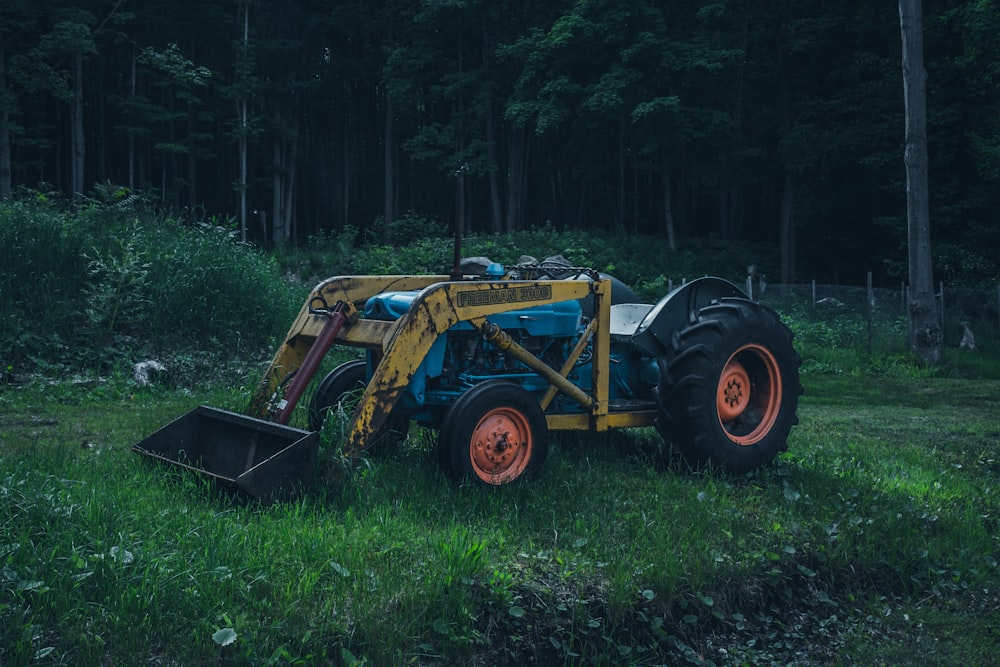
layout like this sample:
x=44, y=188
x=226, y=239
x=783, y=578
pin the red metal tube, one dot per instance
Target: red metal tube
x=314, y=357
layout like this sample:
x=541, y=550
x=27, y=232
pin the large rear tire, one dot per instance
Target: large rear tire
x=493, y=434
x=729, y=387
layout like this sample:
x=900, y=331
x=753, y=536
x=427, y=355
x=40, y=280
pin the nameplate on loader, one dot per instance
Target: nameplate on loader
x=504, y=295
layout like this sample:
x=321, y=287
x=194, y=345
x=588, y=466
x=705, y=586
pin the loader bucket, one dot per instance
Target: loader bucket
x=267, y=461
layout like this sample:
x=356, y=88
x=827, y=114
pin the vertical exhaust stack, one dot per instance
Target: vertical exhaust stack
x=456, y=269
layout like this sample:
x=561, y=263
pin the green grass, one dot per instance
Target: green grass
x=874, y=540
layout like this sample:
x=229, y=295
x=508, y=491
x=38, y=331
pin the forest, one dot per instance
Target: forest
x=777, y=121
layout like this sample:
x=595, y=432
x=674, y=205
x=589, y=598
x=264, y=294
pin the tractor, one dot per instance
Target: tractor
x=494, y=358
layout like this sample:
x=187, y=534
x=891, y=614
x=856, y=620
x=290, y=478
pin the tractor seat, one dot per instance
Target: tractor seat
x=625, y=319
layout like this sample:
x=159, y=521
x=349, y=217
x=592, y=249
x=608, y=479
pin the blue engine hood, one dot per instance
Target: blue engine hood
x=552, y=319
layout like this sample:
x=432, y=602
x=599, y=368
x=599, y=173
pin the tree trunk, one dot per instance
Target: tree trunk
x=788, y=228
x=243, y=131
x=278, y=226
x=787, y=225
x=291, y=171
x=389, y=213
x=668, y=211
x=926, y=325
x=131, y=122
x=496, y=214
x=621, y=173
x=77, y=141
x=725, y=230
x=517, y=178
x=345, y=207
x=192, y=164
x=5, y=170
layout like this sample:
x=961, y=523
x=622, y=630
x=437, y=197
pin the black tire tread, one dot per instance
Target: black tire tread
x=689, y=375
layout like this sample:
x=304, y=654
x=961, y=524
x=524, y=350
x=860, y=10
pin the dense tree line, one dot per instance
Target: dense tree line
x=773, y=121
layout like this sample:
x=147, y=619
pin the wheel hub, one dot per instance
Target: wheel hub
x=748, y=398
x=734, y=391
x=498, y=448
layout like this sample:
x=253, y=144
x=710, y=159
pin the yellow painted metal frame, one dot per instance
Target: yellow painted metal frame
x=441, y=304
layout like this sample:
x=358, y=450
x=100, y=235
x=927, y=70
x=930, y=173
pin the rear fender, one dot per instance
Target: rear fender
x=678, y=309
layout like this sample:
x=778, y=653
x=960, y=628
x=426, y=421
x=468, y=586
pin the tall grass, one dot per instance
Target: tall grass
x=887, y=499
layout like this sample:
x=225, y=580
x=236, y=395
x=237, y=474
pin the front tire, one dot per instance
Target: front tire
x=729, y=387
x=338, y=395
x=339, y=390
x=493, y=434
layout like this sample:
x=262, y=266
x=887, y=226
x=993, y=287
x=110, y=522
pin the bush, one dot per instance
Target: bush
x=44, y=269
x=95, y=288
x=206, y=288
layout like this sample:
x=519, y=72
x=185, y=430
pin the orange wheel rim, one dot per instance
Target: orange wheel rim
x=501, y=446
x=748, y=398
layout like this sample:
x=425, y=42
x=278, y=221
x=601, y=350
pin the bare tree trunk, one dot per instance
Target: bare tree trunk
x=496, y=214
x=787, y=232
x=131, y=128
x=5, y=170
x=517, y=177
x=291, y=171
x=78, y=141
x=787, y=225
x=923, y=313
x=668, y=211
x=277, y=225
x=725, y=230
x=390, y=183
x=730, y=199
x=621, y=172
x=243, y=131
x=192, y=165
x=346, y=178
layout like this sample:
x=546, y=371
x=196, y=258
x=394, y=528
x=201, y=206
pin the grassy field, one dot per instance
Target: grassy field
x=873, y=541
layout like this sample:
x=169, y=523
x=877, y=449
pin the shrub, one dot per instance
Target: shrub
x=41, y=282
x=92, y=288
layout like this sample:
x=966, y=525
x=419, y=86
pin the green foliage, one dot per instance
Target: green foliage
x=41, y=252
x=97, y=288
x=115, y=295
x=421, y=246
x=214, y=289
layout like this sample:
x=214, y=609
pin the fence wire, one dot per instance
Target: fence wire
x=878, y=318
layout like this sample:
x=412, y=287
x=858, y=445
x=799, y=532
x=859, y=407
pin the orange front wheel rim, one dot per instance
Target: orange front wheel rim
x=501, y=445
x=748, y=399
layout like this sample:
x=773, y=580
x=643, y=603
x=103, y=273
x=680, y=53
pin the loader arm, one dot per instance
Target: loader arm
x=309, y=324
